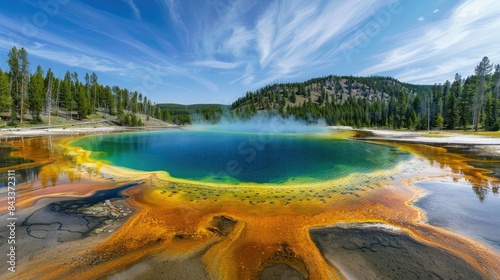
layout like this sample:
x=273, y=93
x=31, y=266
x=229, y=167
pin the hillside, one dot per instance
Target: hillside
x=376, y=101
x=342, y=100
x=337, y=89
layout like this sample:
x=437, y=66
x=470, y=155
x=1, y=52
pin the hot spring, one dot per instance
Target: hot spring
x=209, y=155
x=247, y=202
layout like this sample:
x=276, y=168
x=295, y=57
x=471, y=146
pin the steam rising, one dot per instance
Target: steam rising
x=265, y=123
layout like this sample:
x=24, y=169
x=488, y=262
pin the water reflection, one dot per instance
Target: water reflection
x=7, y=160
x=22, y=175
x=467, y=162
x=37, y=161
x=10, y=162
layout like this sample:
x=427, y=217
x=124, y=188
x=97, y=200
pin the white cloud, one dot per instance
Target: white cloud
x=222, y=30
x=238, y=41
x=134, y=59
x=247, y=78
x=173, y=11
x=133, y=7
x=173, y=16
x=118, y=30
x=162, y=71
x=216, y=64
x=291, y=34
x=434, y=53
x=445, y=70
x=421, y=18
x=38, y=45
x=435, y=11
x=76, y=60
x=57, y=48
x=286, y=38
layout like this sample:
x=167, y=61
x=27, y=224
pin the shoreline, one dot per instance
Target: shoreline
x=432, y=137
x=417, y=137
x=486, y=144
x=11, y=133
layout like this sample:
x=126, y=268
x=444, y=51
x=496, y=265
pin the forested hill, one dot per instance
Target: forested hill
x=384, y=101
x=340, y=100
x=337, y=89
x=327, y=89
x=185, y=114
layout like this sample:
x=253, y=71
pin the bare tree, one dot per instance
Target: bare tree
x=24, y=75
x=49, y=96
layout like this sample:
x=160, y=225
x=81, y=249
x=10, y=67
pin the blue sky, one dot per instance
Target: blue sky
x=188, y=51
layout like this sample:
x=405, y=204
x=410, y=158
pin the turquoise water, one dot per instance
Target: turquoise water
x=240, y=157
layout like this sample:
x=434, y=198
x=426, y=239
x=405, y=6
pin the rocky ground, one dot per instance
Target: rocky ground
x=382, y=253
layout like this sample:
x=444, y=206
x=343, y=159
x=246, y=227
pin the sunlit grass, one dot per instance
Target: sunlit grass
x=483, y=133
x=435, y=134
x=448, y=133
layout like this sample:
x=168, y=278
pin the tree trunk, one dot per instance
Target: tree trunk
x=478, y=106
x=22, y=102
x=49, y=98
x=57, y=97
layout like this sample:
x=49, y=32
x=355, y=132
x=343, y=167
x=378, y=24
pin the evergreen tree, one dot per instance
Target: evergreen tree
x=19, y=77
x=413, y=120
x=439, y=122
x=24, y=75
x=496, y=81
x=293, y=97
x=66, y=92
x=109, y=100
x=36, y=94
x=82, y=102
x=166, y=116
x=467, y=101
x=133, y=120
x=496, y=88
x=15, y=81
x=75, y=94
x=401, y=111
x=482, y=70
x=88, y=85
x=95, y=86
x=133, y=102
x=489, y=113
x=302, y=90
x=150, y=108
x=5, y=97
x=126, y=120
x=158, y=113
x=118, y=100
x=126, y=99
x=451, y=114
x=145, y=105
